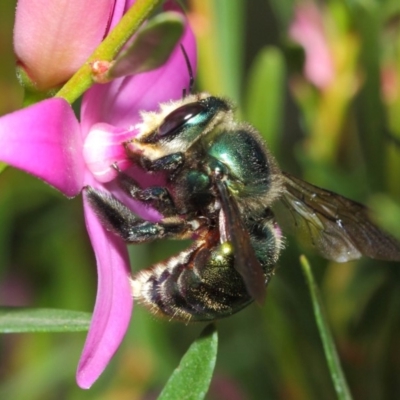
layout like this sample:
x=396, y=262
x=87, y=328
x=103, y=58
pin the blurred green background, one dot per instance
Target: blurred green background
x=340, y=131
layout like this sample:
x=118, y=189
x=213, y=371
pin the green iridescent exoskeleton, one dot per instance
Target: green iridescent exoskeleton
x=222, y=183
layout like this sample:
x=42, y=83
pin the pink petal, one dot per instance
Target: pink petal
x=119, y=102
x=129, y=4
x=120, y=7
x=45, y=140
x=103, y=147
x=114, y=301
x=52, y=39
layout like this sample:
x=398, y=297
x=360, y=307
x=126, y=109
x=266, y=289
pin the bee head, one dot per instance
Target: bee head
x=178, y=125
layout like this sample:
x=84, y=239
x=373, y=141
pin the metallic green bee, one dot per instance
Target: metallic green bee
x=221, y=184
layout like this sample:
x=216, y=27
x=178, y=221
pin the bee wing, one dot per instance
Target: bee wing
x=339, y=228
x=245, y=262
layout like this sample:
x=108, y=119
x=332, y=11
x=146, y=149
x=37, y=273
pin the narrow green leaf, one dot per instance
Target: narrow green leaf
x=191, y=380
x=332, y=358
x=265, y=95
x=230, y=39
x=21, y=319
x=151, y=47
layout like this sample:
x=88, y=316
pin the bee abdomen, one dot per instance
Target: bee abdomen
x=199, y=284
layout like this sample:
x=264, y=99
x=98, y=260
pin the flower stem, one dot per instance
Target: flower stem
x=109, y=48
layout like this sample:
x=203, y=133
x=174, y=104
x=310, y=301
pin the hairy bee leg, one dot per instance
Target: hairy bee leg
x=149, y=231
x=112, y=213
x=160, y=198
x=157, y=196
x=171, y=163
x=121, y=220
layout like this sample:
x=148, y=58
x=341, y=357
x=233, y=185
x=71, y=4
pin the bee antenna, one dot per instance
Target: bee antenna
x=190, y=70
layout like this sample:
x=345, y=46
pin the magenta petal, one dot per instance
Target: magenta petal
x=45, y=140
x=120, y=7
x=114, y=301
x=103, y=147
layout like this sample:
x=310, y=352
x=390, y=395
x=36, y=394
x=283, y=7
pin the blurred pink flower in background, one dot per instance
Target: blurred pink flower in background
x=47, y=140
x=307, y=29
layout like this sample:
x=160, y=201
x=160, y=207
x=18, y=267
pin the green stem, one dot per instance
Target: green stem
x=332, y=358
x=109, y=48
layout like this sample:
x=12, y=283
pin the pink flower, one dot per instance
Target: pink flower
x=307, y=29
x=52, y=39
x=47, y=140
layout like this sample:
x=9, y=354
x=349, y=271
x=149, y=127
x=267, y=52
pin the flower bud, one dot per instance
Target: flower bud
x=52, y=39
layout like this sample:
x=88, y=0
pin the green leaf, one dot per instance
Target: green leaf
x=265, y=95
x=191, y=380
x=151, y=47
x=332, y=358
x=21, y=319
x=229, y=41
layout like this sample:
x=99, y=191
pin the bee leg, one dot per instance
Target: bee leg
x=146, y=231
x=171, y=163
x=160, y=198
x=121, y=220
x=157, y=196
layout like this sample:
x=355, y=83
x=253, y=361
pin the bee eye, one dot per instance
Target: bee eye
x=179, y=118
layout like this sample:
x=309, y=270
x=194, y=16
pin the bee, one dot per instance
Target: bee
x=221, y=186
